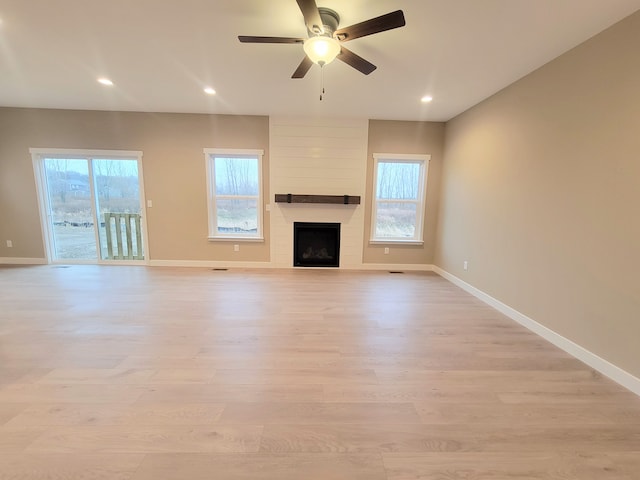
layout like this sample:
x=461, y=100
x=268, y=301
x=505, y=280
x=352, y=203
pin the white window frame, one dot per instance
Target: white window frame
x=423, y=161
x=210, y=155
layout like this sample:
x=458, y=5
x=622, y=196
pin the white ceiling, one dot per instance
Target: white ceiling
x=161, y=53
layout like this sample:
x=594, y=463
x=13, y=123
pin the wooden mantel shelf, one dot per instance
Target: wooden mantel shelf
x=334, y=199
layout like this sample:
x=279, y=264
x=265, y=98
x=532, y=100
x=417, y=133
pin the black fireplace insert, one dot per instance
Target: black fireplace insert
x=316, y=244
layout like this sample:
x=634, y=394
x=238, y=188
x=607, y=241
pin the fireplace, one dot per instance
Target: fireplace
x=316, y=244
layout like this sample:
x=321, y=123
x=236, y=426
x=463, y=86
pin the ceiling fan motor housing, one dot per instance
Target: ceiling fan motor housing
x=330, y=22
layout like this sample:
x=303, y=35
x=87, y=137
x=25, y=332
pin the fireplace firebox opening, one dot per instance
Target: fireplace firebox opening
x=316, y=244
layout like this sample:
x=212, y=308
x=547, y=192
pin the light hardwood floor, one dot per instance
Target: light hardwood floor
x=187, y=374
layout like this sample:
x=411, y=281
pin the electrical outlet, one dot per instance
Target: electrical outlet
x=236, y=248
x=9, y=243
x=386, y=250
x=149, y=203
x=465, y=265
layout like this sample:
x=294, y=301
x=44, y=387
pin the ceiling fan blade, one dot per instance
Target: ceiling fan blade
x=356, y=61
x=303, y=68
x=369, y=27
x=311, y=15
x=251, y=39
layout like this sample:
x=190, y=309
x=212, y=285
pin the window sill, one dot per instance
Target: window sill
x=395, y=241
x=236, y=239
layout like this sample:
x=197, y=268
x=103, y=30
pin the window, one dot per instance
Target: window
x=400, y=190
x=234, y=181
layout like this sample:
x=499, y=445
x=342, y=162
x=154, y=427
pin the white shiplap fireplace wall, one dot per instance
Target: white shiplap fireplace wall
x=317, y=156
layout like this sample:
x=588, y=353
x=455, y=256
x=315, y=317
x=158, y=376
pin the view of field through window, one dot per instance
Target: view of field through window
x=397, y=199
x=237, y=190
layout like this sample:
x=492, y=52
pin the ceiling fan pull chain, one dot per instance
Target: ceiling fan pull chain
x=321, y=81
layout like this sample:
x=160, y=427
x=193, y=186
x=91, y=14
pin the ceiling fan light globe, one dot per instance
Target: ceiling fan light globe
x=321, y=49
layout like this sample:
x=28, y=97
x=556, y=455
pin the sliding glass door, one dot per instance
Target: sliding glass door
x=70, y=209
x=91, y=206
x=118, y=207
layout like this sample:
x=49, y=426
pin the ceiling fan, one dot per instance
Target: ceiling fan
x=325, y=40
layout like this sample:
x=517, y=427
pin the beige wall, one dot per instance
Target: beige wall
x=388, y=136
x=173, y=167
x=174, y=175
x=541, y=194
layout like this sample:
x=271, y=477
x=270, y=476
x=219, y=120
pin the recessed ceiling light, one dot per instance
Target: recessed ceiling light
x=426, y=99
x=105, y=81
x=209, y=91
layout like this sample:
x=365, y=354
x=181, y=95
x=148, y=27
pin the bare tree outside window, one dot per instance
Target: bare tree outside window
x=68, y=187
x=398, y=199
x=70, y=207
x=117, y=185
x=236, y=185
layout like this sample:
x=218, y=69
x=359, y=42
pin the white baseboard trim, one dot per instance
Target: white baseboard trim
x=608, y=369
x=223, y=264
x=22, y=261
